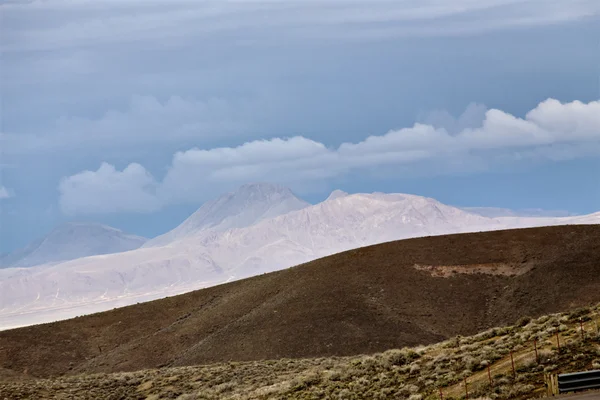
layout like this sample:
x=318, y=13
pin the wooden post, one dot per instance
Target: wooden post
x=441, y=394
x=537, y=357
x=466, y=390
x=512, y=361
x=581, y=325
x=557, y=341
x=490, y=375
x=550, y=385
x=554, y=381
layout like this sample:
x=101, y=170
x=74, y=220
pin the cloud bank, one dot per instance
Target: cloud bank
x=108, y=190
x=551, y=131
x=90, y=23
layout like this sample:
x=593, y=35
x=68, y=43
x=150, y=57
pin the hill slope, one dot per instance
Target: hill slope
x=366, y=300
x=423, y=372
x=70, y=241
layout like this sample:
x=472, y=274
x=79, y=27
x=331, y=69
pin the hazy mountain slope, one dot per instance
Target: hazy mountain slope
x=515, y=222
x=391, y=295
x=70, y=241
x=494, y=212
x=338, y=224
x=210, y=257
x=244, y=207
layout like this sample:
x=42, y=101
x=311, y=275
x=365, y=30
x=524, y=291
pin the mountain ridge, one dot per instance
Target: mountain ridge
x=72, y=240
x=244, y=207
x=211, y=257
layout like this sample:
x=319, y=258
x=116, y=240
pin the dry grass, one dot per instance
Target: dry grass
x=408, y=373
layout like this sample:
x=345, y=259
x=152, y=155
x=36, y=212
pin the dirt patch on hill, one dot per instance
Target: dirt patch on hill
x=502, y=269
x=361, y=301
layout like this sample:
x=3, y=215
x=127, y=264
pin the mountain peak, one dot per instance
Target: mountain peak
x=263, y=187
x=336, y=194
x=261, y=190
x=243, y=207
x=72, y=240
x=81, y=225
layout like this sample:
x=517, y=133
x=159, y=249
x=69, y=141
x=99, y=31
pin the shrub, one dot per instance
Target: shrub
x=580, y=312
x=520, y=389
x=523, y=321
x=394, y=357
x=414, y=368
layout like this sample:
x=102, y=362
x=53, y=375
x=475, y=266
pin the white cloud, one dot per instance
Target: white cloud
x=109, y=190
x=551, y=131
x=5, y=193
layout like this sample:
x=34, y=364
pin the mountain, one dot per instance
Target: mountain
x=337, y=194
x=210, y=257
x=244, y=207
x=493, y=212
x=70, y=241
x=391, y=295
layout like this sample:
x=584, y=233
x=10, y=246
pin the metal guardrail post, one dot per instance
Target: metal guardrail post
x=577, y=381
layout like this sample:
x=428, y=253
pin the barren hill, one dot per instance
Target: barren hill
x=371, y=299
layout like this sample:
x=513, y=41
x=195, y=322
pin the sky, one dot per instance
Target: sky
x=132, y=113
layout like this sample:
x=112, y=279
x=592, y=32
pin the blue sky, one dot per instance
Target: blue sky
x=133, y=113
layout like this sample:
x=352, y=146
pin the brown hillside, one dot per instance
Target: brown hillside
x=386, y=296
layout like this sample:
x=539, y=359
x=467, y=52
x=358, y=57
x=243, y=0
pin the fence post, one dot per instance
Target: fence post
x=512, y=361
x=548, y=384
x=490, y=375
x=557, y=341
x=441, y=394
x=554, y=382
x=581, y=325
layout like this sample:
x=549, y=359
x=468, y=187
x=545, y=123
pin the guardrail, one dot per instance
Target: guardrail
x=577, y=381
